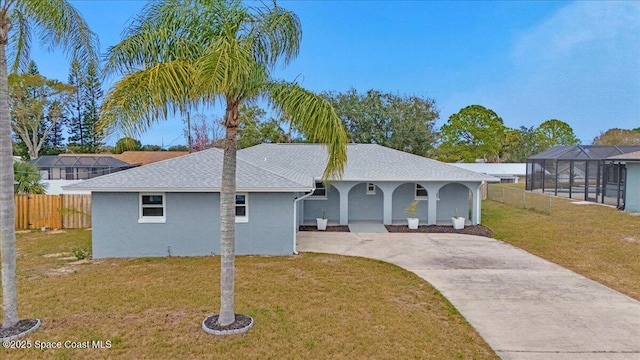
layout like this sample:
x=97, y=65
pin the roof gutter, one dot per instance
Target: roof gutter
x=295, y=217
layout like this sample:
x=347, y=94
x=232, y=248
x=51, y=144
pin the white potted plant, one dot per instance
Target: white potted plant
x=412, y=209
x=458, y=221
x=322, y=221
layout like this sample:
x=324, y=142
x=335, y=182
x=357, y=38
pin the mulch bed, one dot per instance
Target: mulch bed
x=468, y=230
x=330, y=228
x=241, y=322
x=19, y=328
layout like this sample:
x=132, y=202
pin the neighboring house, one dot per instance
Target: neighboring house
x=506, y=172
x=62, y=170
x=139, y=158
x=630, y=163
x=67, y=169
x=172, y=207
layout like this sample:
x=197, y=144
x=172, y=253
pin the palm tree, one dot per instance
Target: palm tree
x=203, y=51
x=58, y=23
x=27, y=179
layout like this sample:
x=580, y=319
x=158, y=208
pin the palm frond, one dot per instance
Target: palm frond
x=316, y=119
x=19, y=41
x=228, y=67
x=276, y=33
x=58, y=23
x=142, y=98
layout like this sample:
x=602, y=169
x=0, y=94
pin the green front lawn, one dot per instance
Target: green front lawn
x=309, y=306
x=596, y=241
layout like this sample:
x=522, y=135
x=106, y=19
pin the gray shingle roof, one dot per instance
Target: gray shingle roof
x=201, y=171
x=278, y=167
x=365, y=162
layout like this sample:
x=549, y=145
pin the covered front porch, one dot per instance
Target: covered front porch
x=346, y=202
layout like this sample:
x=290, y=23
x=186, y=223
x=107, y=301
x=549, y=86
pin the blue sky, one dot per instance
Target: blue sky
x=528, y=61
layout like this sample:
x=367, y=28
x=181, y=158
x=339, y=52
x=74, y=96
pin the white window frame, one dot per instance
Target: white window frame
x=245, y=218
x=152, y=219
x=371, y=188
x=420, y=197
x=319, y=186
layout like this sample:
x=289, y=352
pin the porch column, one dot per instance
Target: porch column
x=343, y=190
x=387, y=201
x=476, y=193
x=432, y=201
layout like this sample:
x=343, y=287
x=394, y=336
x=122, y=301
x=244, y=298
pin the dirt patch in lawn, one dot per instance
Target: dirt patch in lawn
x=478, y=230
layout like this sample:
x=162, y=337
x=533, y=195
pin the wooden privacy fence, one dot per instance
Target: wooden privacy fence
x=53, y=211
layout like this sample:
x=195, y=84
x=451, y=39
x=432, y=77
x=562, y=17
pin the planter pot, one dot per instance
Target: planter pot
x=413, y=223
x=322, y=223
x=458, y=223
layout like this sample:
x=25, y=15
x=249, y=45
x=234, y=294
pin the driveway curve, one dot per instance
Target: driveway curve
x=522, y=305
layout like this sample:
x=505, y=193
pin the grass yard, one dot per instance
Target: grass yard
x=596, y=241
x=309, y=306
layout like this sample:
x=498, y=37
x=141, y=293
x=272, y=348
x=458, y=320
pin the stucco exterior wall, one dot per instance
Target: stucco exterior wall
x=453, y=196
x=632, y=196
x=313, y=207
x=362, y=206
x=192, y=226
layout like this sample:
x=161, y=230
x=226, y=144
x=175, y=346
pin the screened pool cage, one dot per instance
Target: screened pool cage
x=581, y=172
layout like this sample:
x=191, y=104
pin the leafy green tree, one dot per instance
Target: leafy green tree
x=475, y=132
x=181, y=52
x=28, y=178
x=92, y=95
x=528, y=142
x=254, y=129
x=557, y=132
x=401, y=122
x=83, y=109
x=618, y=137
x=178, y=148
x=36, y=108
x=57, y=23
x=127, y=144
x=151, y=147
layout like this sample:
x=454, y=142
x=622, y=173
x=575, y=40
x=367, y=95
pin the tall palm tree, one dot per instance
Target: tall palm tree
x=58, y=24
x=202, y=51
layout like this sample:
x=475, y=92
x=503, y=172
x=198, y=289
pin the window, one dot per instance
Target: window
x=320, y=192
x=152, y=208
x=421, y=192
x=242, y=208
x=371, y=189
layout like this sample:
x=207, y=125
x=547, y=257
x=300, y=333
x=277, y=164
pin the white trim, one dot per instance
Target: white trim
x=152, y=219
x=183, y=190
x=317, y=186
x=245, y=218
x=415, y=193
x=371, y=191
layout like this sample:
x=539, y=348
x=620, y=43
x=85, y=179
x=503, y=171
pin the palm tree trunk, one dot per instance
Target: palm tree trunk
x=7, y=207
x=228, y=217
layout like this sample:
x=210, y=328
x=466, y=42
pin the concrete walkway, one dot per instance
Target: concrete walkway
x=523, y=306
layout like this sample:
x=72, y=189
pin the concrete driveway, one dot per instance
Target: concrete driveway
x=523, y=306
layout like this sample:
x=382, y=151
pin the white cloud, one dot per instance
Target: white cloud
x=580, y=65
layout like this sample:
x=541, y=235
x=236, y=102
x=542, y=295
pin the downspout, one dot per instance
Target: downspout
x=295, y=216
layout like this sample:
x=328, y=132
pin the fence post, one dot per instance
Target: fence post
x=524, y=199
x=503, y=198
x=550, y=204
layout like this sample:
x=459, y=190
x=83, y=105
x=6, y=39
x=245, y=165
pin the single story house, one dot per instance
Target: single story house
x=172, y=207
x=629, y=165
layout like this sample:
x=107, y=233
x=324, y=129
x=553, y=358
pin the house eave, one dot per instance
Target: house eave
x=188, y=190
